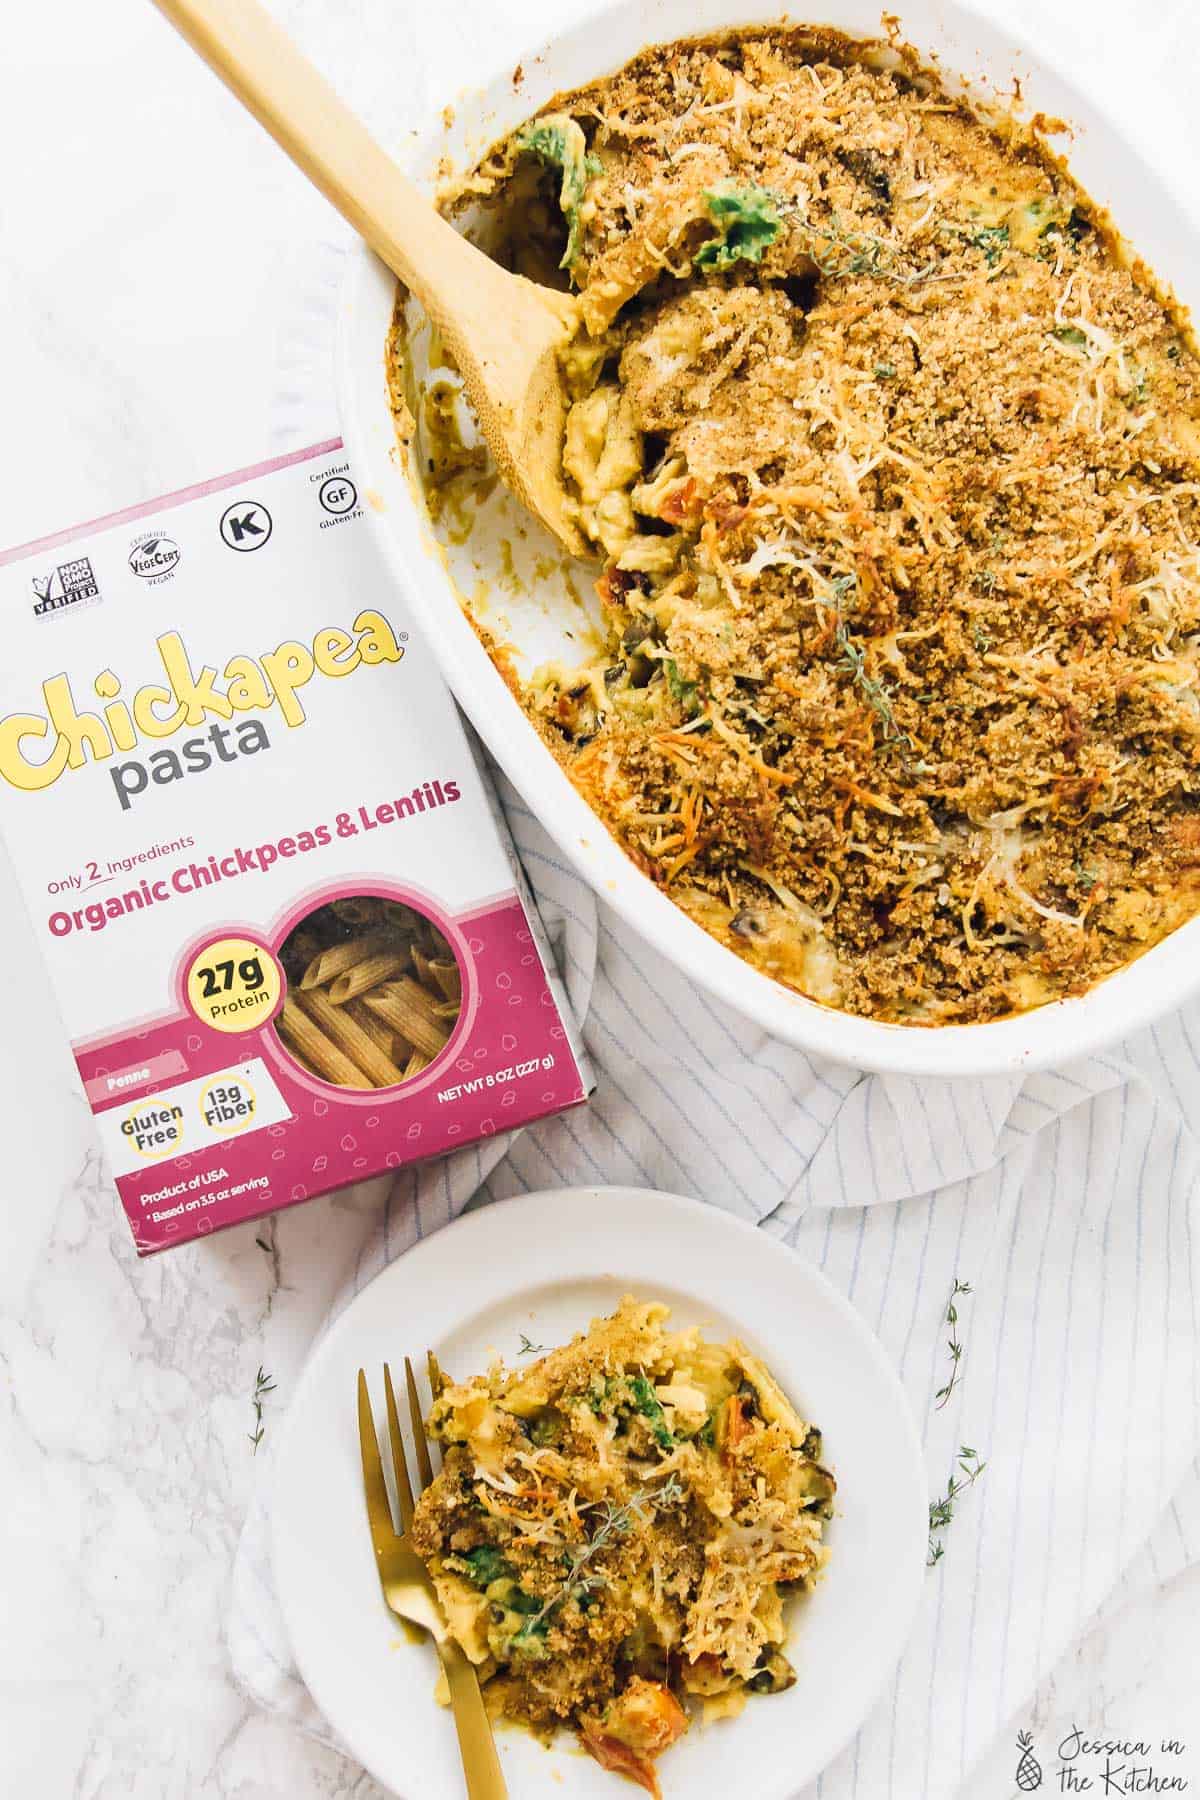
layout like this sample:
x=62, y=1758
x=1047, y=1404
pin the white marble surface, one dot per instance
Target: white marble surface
x=155, y=255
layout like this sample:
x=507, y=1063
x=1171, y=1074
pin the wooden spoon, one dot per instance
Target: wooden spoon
x=504, y=332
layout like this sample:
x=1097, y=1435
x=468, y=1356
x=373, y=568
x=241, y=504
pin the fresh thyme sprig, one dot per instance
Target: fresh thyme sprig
x=967, y=1472
x=854, y=663
x=615, y=1522
x=263, y=1385
x=955, y=1347
x=527, y=1347
x=839, y=254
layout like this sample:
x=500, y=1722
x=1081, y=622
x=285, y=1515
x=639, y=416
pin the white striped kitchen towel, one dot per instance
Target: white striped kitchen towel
x=1066, y=1202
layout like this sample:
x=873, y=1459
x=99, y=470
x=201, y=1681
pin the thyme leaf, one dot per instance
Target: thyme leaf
x=615, y=1522
x=529, y=1348
x=965, y=1474
x=263, y=1385
x=841, y=254
x=955, y=1347
x=853, y=662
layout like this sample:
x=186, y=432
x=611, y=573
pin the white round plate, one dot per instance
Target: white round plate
x=545, y=1264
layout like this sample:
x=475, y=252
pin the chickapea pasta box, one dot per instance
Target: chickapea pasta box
x=283, y=926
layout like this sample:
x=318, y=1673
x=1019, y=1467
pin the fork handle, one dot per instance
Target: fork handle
x=481, y=1765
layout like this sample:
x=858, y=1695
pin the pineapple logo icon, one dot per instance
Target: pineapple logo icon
x=1029, y=1769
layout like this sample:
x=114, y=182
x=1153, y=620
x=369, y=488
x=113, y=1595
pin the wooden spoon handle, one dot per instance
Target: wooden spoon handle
x=259, y=63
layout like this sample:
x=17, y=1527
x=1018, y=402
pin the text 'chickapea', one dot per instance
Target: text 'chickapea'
x=251, y=684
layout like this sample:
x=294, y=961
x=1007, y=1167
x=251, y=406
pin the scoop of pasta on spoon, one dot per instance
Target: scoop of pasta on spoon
x=504, y=332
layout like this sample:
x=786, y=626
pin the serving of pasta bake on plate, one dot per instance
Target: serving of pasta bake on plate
x=889, y=449
x=635, y=1524
x=615, y=1530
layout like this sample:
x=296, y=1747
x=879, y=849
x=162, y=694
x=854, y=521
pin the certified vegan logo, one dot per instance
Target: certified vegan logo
x=154, y=557
x=71, y=584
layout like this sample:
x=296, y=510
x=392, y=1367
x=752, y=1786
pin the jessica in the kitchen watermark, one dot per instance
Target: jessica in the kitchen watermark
x=1101, y=1766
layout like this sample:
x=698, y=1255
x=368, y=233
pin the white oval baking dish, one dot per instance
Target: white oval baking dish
x=1119, y=175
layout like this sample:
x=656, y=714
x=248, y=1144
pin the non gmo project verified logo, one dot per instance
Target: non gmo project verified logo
x=71, y=584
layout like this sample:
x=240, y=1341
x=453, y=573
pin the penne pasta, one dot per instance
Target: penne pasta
x=408, y=1008
x=379, y=1033
x=312, y=1047
x=438, y=974
x=374, y=969
x=350, y=1038
x=401, y=917
x=358, y=909
x=446, y=976
x=374, y=992
x=326, y=965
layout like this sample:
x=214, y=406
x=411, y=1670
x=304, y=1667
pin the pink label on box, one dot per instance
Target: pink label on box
x=234, y=766
x=508, y=1061
x=151, y=1072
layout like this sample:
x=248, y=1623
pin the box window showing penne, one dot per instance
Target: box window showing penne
x=289, y=940
x=374, y=992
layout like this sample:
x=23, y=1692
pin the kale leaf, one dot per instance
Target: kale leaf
x=647, y=1403
x=485, y=1564
x=558, y=141
x=682, y=691
x=747, y=221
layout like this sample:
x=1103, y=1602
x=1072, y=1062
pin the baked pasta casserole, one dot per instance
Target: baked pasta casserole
x=891, y=453
x=615, y=1529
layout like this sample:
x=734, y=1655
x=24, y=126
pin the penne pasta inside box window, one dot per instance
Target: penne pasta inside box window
x=289, y=941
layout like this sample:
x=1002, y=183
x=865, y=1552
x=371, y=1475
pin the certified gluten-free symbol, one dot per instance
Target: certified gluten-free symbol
x=246, y=525
x=338, y=495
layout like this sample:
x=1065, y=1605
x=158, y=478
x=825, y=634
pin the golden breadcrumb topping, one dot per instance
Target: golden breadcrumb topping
x=893, y=460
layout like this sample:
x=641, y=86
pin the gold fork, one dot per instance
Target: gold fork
x=408, y=1586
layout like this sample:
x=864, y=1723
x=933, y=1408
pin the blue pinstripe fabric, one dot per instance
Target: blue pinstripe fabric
x=1065, y=1199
